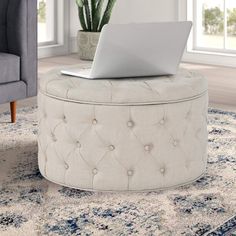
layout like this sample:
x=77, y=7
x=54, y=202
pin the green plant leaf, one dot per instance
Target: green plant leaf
x=88, y=15
x=82, y=18
x=93, y=11
x=80, y=3
x=107, y=13
x=97, y=16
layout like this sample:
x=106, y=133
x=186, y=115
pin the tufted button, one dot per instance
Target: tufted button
x=188, y=115
x=53, y=137
x=66, y=166
x=175, y=143
x=94, y=122
x=95, y=171
x=78, y=144
x=130, y=124
x=111, y=147
x=163, y=170
x=130, y=172
x=148, y=147
x=45, y=115
x=187, y=164
x=64, y=119
x=162, y=122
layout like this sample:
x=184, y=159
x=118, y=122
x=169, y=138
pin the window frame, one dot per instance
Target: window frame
x=185, y=12
x=60, y=44
x=224, y=50
x=53, y=23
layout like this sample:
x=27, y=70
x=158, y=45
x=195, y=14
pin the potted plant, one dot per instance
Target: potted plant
x=93, y=15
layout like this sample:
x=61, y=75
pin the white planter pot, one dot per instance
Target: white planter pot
x=87, y=44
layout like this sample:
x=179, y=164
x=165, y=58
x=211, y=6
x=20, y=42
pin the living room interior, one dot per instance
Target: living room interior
x=136, y=155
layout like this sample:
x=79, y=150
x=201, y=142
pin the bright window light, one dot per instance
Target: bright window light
x=215, y=25
x=46, y=22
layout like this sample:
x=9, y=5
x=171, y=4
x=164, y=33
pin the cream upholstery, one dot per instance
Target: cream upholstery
x=118, y=135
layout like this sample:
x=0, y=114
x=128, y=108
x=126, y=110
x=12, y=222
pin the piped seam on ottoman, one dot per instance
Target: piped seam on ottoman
x=126, y=103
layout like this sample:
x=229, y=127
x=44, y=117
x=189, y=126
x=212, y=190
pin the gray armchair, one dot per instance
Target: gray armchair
x=18, y=51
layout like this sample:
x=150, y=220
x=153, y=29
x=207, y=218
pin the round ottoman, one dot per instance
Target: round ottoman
x=123, y=134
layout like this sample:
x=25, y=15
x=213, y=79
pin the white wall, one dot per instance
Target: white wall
x=127, y=11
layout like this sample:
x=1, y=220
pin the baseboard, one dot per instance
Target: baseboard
x=210, y=59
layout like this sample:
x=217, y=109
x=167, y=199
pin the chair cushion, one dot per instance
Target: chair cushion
x=12, y=91
x=9, y=68
x=3, y=25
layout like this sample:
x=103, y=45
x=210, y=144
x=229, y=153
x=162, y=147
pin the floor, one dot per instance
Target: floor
x=222, y=81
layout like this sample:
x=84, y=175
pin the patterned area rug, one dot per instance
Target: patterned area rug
x=30, y=205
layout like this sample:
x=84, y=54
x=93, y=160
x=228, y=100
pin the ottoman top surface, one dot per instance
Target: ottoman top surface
x=185, y=85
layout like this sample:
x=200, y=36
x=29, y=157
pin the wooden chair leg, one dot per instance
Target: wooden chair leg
x=13, y=111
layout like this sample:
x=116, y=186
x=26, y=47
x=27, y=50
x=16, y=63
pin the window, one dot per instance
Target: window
x=213, y=37
x=47, y=22
x=53, y=27
x=214, y=26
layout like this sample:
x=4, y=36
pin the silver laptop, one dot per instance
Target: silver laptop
x=137, y=50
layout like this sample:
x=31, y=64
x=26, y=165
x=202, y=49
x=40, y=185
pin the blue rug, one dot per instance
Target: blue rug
x=227, y=229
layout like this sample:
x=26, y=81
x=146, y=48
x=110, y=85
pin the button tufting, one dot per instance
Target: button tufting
x=64, y=119
x=66, y=166
x=175, y=143
x=188, y=116
x=85, y=143
x=78, y=144
x=130, y=124
x=162, y=122
x=94, y=122
x=187, y=164
x=130, y=172
x=53, y=137
x=162, y=170
x=189, y=113
x=111, y=147
x=95, y=171
x=148, y=147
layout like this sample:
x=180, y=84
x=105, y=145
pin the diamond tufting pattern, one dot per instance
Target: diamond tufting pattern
x=111, y=144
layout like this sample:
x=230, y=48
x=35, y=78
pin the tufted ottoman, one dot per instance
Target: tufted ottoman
x=123, y=135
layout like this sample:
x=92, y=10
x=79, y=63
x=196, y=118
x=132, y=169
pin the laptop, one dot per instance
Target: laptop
x=137, y=50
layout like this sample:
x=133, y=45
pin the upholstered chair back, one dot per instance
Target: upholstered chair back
x=18, y=36
x=3, y=25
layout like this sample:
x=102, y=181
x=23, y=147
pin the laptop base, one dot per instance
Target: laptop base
x=82, y=73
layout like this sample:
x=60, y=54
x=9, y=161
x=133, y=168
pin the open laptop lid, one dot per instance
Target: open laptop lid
x=145, y=49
